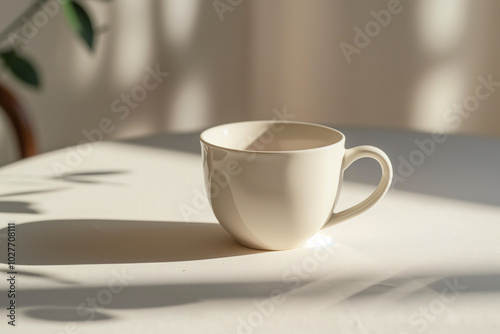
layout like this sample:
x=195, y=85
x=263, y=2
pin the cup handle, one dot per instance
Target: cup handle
x=352, y=155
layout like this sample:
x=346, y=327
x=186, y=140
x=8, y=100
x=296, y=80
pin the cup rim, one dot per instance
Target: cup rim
x=342, y=137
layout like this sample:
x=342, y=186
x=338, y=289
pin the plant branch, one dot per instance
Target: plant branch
x=28, y=14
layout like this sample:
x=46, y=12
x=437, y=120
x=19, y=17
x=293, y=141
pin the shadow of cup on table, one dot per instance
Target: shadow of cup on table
x=100, y=241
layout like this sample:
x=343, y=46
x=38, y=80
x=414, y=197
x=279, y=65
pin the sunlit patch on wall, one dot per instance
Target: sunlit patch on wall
x=437, y=90
x=441, y=24
x=180, y=18
x=133, y=38
x=190, y=103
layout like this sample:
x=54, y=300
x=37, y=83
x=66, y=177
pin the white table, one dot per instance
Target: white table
x=109, y=241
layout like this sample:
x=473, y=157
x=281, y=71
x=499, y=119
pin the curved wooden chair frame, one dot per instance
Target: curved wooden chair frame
x=20, y=122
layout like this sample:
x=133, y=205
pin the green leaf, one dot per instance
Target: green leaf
x=80, y=21
x=21, y=68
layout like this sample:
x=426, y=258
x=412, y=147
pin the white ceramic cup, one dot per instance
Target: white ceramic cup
x=274, y=184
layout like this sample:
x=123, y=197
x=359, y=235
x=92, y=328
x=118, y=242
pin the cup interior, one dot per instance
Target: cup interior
x=270, y=136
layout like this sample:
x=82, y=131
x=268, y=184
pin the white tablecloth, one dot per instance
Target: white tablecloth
x=125, y=242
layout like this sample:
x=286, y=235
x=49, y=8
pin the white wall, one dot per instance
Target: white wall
x=264, y=55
